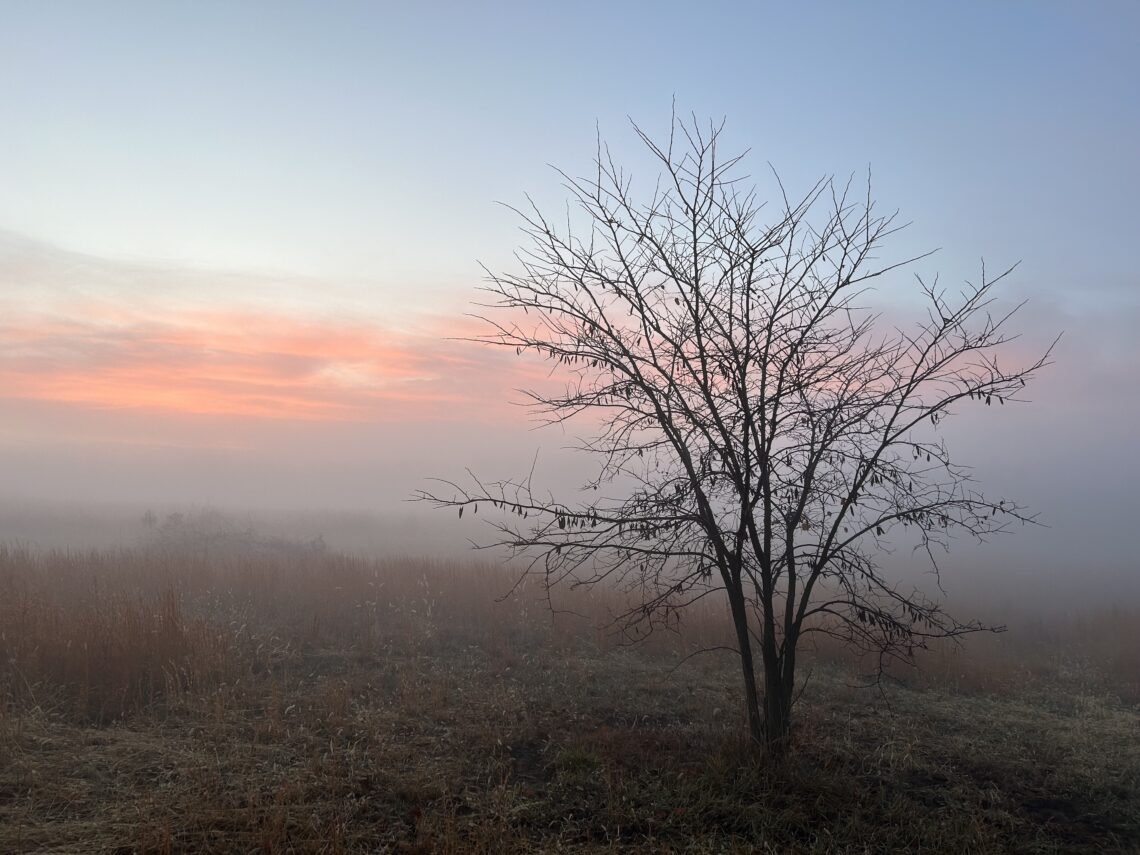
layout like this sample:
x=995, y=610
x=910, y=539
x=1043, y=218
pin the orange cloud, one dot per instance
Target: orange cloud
x=252, y=364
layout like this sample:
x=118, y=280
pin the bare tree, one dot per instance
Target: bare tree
x=762, y=433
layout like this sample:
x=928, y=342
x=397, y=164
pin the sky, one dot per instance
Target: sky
x=237, y=240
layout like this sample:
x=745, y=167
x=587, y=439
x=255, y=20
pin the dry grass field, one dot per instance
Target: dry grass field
x=273, y=698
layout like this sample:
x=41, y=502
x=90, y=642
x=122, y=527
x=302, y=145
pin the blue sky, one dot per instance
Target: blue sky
x=369, y=141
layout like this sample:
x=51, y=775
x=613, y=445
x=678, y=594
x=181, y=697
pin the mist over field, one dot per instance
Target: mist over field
x=306, y=314
x=1048, y=579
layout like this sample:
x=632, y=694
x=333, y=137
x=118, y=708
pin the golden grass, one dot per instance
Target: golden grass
x=296, y=700
x=108, y=633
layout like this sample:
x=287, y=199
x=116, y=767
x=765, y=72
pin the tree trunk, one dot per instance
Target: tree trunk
x=777, y=708
x=744, y=643
x=779, y=681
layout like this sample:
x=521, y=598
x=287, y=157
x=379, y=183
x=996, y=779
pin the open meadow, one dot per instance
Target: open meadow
x=263, y=696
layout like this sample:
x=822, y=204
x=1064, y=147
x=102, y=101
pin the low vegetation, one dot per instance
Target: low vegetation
x=238, y=695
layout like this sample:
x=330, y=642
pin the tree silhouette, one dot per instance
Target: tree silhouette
x=757, y=430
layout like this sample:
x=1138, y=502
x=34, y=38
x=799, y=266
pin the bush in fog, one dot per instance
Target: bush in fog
x=211, y=533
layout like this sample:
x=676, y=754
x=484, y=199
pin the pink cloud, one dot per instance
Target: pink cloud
x=252, y=364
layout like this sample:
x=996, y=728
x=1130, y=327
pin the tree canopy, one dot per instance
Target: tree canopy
x=760, y=432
